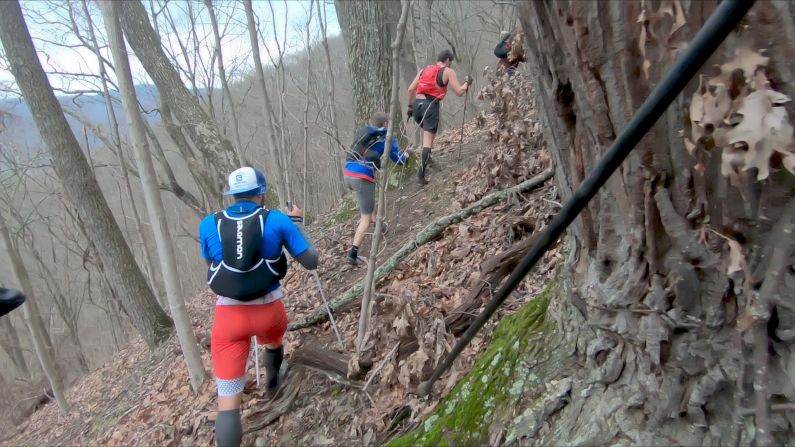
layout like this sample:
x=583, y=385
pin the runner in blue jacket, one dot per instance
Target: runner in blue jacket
x=363, y=160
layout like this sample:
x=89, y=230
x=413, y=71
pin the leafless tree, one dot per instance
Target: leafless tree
x=217, y=156
x=394, y=108
x=77, y=179
x=38, y=332
x=276, y=149
x=154, y=203
x=308, y=43
x=223, y=78
x=116, y=145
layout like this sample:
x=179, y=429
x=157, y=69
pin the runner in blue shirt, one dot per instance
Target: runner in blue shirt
x=363, y=161
x=244, y=248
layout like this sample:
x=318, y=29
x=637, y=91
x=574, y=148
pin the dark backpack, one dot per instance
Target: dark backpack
x=244, y=273
x=363, y=141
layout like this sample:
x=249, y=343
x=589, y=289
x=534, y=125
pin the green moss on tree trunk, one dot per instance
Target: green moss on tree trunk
x=497, y=381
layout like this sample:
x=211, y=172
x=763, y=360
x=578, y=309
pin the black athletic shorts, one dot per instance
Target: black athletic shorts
x=426, y=114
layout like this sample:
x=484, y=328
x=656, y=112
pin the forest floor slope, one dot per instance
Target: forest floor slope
x=142, y=398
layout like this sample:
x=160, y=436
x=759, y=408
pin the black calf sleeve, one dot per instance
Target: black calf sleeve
x=228, y=429
x=273, y=362
x=426, y=155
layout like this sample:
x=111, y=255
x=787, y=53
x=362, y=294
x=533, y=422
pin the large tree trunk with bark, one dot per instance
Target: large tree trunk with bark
x=154, y=203
x=218, y=155
x=79, y=183
x=367, y=28
x=663, y=333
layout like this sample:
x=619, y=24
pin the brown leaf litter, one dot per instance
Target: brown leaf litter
x=142, y=398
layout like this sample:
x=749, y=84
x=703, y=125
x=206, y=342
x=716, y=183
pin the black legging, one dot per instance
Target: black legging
x=10, y=299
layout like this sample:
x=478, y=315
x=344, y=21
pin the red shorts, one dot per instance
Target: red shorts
x=233, y=328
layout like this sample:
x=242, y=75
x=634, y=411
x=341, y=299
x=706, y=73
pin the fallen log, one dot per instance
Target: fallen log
x=312, y=356
x=427, y=234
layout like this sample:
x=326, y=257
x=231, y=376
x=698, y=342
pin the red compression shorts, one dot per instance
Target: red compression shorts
x=233, y=328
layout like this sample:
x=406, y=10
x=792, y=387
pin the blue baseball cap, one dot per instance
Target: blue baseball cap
x=246, y=181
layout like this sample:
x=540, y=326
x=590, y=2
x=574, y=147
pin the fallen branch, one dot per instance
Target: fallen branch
x=428, y=234
x=493, y=271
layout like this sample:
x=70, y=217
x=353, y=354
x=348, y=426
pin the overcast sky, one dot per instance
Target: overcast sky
x=290, y=22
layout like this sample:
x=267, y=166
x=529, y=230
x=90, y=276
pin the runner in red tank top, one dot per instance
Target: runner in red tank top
x=425, y=92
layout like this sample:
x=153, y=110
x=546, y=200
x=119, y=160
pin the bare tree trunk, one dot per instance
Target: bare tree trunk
x=367, y=28
x=337, y=153
x=274, y=147
x=647, y=262
x=79, y=184
x=118, y=149
x=308, y=43
x=408, y=63
x=13, y=347
x=284, y=152
x=224, y=83
x=207, y=187
x=383, y=178
x=66, y=312
x=219, y=157
x=154, y=203
x=30, y=311
x=423, y=42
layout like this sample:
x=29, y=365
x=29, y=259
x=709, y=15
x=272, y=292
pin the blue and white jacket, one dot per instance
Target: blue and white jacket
x=364, y=161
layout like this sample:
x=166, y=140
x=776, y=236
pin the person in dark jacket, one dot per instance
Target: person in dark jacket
x=363, y=160
x=510, y=57
x=503, y=46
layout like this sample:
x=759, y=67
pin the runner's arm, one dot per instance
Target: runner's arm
x=310, y=258
x=413, y=88
x=398, y=157
x=208, y=239
x=297, y=240
x=452, y=82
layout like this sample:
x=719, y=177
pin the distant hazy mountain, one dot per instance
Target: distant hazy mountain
x=18, y=129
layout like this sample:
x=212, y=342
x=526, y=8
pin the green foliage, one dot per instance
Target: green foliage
x=345, y=212
x=399, y=175
x=496, y=382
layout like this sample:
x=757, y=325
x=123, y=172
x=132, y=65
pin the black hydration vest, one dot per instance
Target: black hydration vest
x=244, y=274
x=362, y=147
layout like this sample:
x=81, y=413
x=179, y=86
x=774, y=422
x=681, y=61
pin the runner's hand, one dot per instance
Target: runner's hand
x=295, y=213
x=409, y=111
x=468, y=80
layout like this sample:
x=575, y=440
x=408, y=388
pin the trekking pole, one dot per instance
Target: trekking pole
x=254, y=348
x=328, y=309
x=463, y=118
